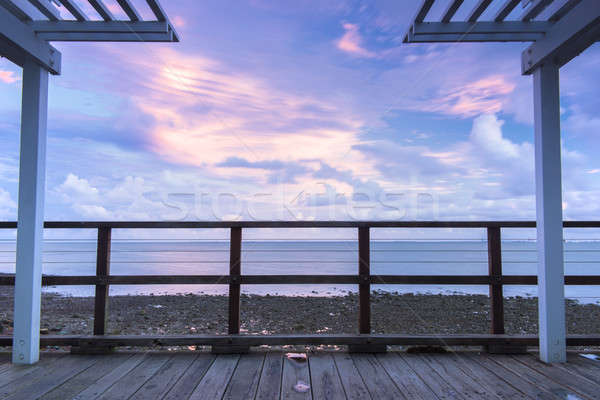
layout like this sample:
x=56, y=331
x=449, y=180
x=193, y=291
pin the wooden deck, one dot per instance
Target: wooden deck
x=271, y=375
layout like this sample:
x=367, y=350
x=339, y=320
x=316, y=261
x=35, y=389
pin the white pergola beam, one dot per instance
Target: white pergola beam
x=102, y=10
x=107, y=37
x=466, y=28
x=423, y=10
x=156, y=8
x=15, y=10
x=99, y=27
x=18, y=42
x=479, y=9
x=551, y=300
x=559, y=9
x=534, y=9
x=30, y=226
x=46, y=8
x=74, y=10
x=506, y=9
x=571, y=35
x=103, y=31
x=484, y=31
x=130, y=10
x=451, y=10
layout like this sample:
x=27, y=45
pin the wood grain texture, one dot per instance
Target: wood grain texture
x=330, y=375
x=351, y=379
x=184, y=387
x=270, y=378
x=126, y=387
x=325, y=379
x=244, y=382
x=215, y=381
x=377, y=381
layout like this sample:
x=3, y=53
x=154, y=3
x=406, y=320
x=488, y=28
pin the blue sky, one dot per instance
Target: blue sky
x=299, y=110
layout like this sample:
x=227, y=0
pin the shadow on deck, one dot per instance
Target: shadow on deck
x=324, y=375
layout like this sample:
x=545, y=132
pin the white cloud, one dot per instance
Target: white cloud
x=77, y=188
x=8, y=206
x=486, y=136
x=92, y=211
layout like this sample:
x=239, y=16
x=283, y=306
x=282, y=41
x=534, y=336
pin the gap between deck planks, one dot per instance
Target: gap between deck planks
x=270, y=375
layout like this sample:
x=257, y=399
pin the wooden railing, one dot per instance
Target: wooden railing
x=366, y=341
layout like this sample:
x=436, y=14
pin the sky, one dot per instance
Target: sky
x=299, y=110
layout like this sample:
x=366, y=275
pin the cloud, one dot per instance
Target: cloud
x=75, y=187
x=92, y=211
x=204, y=113
x=8, y=206
x=8, y=76
x=352, y=42
x=487, y=175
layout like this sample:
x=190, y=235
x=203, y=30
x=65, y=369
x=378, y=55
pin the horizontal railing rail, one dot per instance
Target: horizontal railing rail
x=494, y=279
x=294, y=224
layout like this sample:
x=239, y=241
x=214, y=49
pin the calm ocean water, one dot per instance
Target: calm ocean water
x=306, y=257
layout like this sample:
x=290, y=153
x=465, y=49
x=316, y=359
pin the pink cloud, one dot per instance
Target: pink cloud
x=352, y=42
x=484, y=96
x=204, y=113
x=8, y=76
x=178, y=21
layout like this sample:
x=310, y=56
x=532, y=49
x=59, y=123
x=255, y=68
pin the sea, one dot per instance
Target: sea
x=211, y=257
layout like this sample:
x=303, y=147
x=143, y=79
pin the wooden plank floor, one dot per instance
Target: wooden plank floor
x=325, y=375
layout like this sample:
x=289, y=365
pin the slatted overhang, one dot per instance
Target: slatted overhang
x=27, y=26
x=560, y=29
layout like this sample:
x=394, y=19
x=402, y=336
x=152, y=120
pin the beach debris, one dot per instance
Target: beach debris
x=594, y=357
x=300, y=357
x=301, y=387
x=156, y=305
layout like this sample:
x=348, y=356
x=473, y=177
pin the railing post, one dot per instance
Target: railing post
x=494, y=241
x=235, y=271
x=495, y=272
x=102, y=271
x=364, y=287
x=364, y=292
x=102, y=288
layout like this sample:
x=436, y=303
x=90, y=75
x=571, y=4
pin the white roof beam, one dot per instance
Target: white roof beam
x=129, y=10
x=560, y=9
x=423, y=10
x=506, y=9
x=107, y=37
x=100, y=27
x=419, y=16
x=474, y=37
x=15, y=10
x=534, y=9
x=484, y=31
x=18, y=42
x=46, y=8
x=570, y=36
x=479, y=9
x=102, y=10
x=74, y=10
x=451, y=10
x=156, y=8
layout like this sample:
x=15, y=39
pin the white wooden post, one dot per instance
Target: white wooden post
x=30, y=234
x=552, y=329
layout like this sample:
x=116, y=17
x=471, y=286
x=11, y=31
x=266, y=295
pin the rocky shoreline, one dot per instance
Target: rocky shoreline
x=207, y=314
